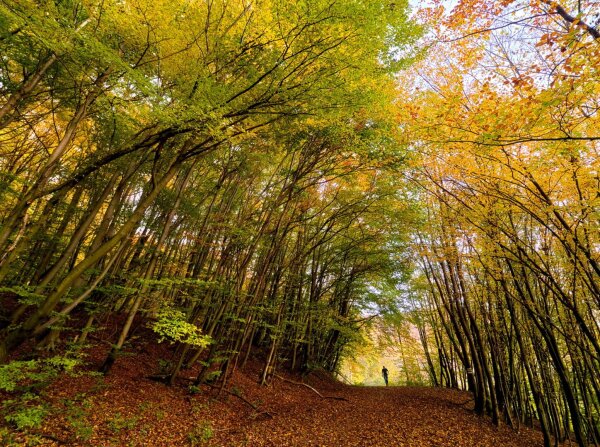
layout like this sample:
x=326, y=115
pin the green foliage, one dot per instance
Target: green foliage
x=193, y=389
x=6, y=437
x=283, y=114
x=213, y=376
x=24, y=379
x=24, y=412
x=25, y=294
x=34, y=373
x=385, y=340
x=172, y=325
x=77, y=412
x=14, y=373
x=198, y=407
x=121, y=422
x=62, y=363
x=201, y=434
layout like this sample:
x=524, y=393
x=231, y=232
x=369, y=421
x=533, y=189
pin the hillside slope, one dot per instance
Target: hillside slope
x=128, y=408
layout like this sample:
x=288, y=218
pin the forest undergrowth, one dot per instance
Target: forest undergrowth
x=132, y=407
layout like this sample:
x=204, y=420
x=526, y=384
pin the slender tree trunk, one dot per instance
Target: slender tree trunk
x=142, y=294
x=13, y=338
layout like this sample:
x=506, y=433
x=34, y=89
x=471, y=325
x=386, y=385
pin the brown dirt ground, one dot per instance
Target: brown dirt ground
x=126, y=408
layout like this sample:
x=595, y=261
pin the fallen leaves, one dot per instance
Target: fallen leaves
x=128, y=409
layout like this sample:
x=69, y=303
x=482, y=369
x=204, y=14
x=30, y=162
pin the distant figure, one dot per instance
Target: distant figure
x=384, y=373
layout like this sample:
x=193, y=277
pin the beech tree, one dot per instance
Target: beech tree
x=214, y=166
x=505, y=127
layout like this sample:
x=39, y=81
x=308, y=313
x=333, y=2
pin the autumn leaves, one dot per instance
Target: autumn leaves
x=506, y=123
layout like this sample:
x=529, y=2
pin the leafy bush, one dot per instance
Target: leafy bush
x=172, y=325
x=23, y=375
x=23, y=413
x=77, y=412
x=201, y=434
x=24, y=379
x=14, y=372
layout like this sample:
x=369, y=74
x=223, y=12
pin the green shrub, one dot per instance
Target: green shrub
x=77, y=411
x=201, y=434
x=24, y=380
x=23, y=412
x=172, y=325
x=24, y=375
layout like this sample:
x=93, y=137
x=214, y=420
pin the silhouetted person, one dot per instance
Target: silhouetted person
x=384, y=373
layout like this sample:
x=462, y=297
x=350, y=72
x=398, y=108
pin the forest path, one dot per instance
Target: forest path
x=128, y=408
x=378, y=416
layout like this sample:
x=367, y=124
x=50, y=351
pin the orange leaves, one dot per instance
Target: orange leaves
x=547, y=39
x=525, y=77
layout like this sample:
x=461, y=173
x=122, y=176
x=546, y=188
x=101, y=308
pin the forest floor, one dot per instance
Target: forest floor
x=128, y=408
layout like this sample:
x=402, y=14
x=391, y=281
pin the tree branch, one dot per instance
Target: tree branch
x=310, y=388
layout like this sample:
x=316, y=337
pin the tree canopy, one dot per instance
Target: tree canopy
x=277, y=179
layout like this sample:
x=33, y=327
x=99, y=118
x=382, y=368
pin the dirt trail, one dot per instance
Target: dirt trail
x=128, y=408
x=378, y=416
